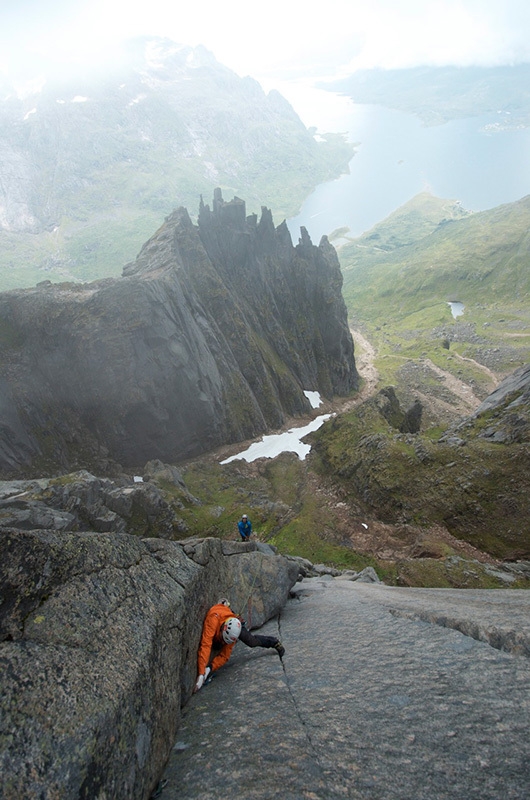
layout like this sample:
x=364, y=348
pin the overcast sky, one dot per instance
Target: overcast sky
x=277, y=36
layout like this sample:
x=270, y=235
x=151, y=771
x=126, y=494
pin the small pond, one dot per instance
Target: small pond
x=457, y=308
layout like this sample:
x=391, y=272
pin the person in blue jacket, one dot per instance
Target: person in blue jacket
x=245, y=527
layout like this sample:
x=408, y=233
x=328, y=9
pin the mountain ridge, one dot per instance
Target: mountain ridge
x=170, y=360
x=440, y=94
x=91, y=164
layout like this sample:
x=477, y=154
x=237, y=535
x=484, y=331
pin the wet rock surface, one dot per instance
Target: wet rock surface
x=371, y=701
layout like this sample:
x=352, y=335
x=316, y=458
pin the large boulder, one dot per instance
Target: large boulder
x=98, y=645
x=507, y=409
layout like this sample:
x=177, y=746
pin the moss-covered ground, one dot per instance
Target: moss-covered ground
x=294, y=507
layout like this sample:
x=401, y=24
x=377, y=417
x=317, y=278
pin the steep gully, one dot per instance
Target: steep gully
x=371, y=536
x=465, y=401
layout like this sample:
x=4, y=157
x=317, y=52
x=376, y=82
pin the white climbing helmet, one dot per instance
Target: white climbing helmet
x=231, y=630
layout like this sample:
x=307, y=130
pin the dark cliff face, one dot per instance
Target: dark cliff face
x=211, y=336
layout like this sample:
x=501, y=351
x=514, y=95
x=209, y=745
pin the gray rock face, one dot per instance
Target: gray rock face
x=515, y=387
x=389, y=407
x=511, y=401
x=98, y=647
x=210, y=337
x=506, y=409
x=83, y=502
x=382, y=693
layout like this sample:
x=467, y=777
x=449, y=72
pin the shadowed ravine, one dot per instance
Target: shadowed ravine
x=369, y=702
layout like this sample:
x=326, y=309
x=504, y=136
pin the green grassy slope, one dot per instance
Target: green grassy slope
x=400, y=277
x=480, y=257
x=466, y=483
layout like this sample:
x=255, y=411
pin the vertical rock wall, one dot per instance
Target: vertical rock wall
x=98, y=647
x=211, y=336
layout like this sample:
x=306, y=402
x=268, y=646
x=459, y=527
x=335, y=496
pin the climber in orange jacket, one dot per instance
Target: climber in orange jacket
x=220, y=631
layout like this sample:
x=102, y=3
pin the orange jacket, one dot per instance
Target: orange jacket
x=212, y=637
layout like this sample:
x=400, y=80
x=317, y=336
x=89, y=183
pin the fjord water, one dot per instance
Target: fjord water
x=479, y=161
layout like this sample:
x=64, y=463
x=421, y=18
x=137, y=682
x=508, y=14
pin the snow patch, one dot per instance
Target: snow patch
x=314, y=398
x=28, y=115
x=288, y=442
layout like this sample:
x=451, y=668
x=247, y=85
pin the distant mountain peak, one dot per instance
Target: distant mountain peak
x=99, y=159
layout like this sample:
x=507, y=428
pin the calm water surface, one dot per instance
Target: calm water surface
x=457, y=308
x=472, y=160
x=477, y=161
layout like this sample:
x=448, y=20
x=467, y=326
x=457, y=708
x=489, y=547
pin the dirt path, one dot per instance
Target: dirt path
x=491, y=375
x=459, y=388
x=462, y=390
x=365, y=361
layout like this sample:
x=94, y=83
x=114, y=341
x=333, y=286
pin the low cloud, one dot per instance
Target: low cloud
x=278, y=37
